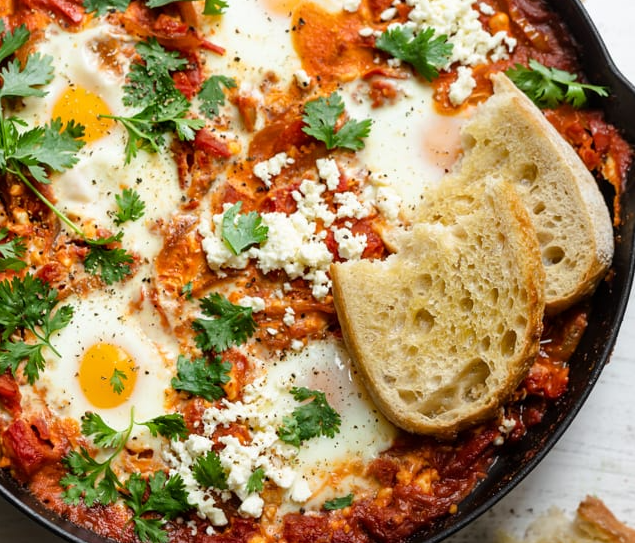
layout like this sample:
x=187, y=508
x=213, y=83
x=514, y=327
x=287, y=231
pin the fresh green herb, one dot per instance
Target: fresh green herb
x=311, y=419
x=159, y=494
x=425, y=54
x=95, y=481
x=186, y=290
x=101, y=7
x=255, y=483
x=321, y=116
x=240, y=232
x=549, y=87
x=11, y=253
x=27, y=304
x=113, y=263
x=212, y=96
x=171, y=426
x=116, y=381
x=233, y=324
x=131, y=207
x=37, y=151
x=151, y=87
x=338, y=503
x=202, y=378
x=208, y=471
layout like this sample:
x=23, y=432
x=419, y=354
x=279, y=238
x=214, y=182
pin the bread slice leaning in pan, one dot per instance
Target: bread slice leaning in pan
x=509, y=135
x=444, y=330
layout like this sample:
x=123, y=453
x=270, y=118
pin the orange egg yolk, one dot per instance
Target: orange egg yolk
x=107, y=375
x=84, y=107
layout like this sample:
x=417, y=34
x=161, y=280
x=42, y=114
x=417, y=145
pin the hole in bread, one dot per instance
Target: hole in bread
x=407, y=396
x=545, y=237
x=552, y=255
x=466, y=304
x=424, y=321
x=424, y=281
x=485, y=343
x=389, y=379
x=493, y=295
x=539, y=208
x=508, y=343
x=528, y=173
x=468, y=141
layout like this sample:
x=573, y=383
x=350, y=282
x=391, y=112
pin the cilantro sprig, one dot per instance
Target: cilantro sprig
x=113, y=263
x=232, y=325
x=130, y=206
x=32, y=153
x=314, y=418
x=425, y=54
x=95, y=481
x=202, y=377
x=255, y=483
x=211, y=94
x=338, y=503
x=209, y=472
x=550, y=87
x=11, y=252
x=241, y=231
x=321, y=117
x=101, y=7
x=27, y=305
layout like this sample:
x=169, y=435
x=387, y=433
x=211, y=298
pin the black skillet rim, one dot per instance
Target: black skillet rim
x=597, y=345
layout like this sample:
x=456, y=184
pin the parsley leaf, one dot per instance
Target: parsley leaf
x=234, y=324
x=549, y=87
x=11, y=252
x=240, y=232
x=27, y=304
x=12, y=41
x=166, y=496
x=338, y=503
x=202, y=378
x=321, y=116
x=171, y=426
x=101, y=7
x=425, y=54
x=255, y=481
x=311, y=419
x=208, y=471
x=113, y=264
x=212, y=95
x=131, y=207
x=116, y=381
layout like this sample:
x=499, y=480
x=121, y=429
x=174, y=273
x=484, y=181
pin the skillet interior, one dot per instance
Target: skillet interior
x=609, y=305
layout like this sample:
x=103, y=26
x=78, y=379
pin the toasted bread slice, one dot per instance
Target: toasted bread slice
x=509, y=135
x=444, y=330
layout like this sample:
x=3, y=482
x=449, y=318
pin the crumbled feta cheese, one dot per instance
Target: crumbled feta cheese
x=351, y=5
x=486, y=9
x=310, y=202
x=366, y=32
x=256, y=303
x=388, y=202
x=297, y=345
x=350, y=206
x=461, y=89
x=302, y=79
x=267, y=169
x=329, y=172
x=289, y=316
x=349, y=246
x=272, y=331
x=388, y=14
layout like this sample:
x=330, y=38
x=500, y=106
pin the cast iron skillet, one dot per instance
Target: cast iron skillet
x=609, y=305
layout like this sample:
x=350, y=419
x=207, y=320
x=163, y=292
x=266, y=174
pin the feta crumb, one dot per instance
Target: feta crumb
x=329, y=172
x=297, y=345
x=349, y=246
x=461, y=89
x=351, y=5
x=388, y=14
x=388, y=203
x=256, y=303
x=486, y=9
x=267, y=169
x=350, y=206
x=366, y=32
x=289, y=316
x=302, y=79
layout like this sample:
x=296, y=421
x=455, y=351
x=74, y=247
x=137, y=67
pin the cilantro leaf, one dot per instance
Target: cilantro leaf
x=234, y=324
x=240, y=232
x=27, y=304
x=338, y=503
x=255, y=481
x=103, y=435
x=212, y=95
x=21, y=82
x=112, y=264
x=215, y=7
x=171, y=426
x=201, y=378
x=117, y=381
x=131, y=207
x=321, y=116
x=209, y=472
x=311, y=419
x=12, y=41
x=11, y=252
x=186, y=290
x=550, y=87
x=83, y=480
x=101, y=7
x=425, y=54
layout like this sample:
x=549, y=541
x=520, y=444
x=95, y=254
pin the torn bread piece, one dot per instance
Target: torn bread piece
x=510, y=136
x=444, y=330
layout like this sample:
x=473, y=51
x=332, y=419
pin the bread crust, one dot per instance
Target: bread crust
x=405, y=336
